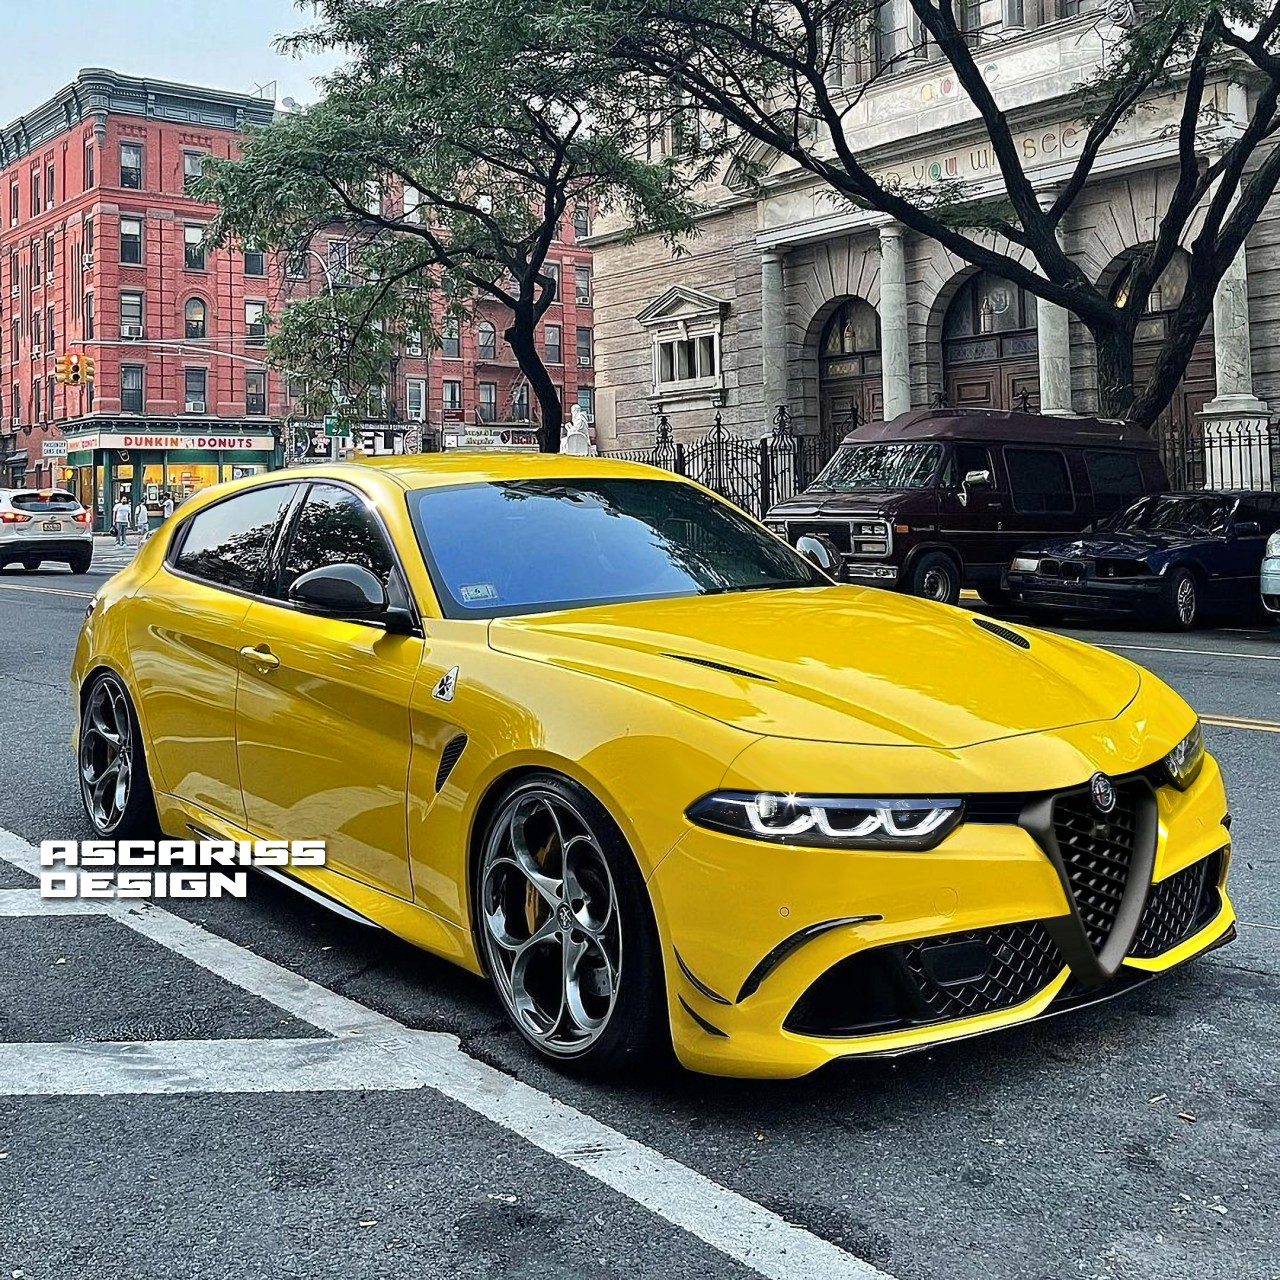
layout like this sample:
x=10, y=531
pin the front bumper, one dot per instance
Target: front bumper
x=1086, y=595
x=1271, y=584
x=784, y=959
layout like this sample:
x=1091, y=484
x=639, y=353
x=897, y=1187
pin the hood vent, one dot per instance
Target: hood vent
x=718, y=666
x=1003, y=632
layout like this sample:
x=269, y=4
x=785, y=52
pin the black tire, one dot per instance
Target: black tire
x=1180, y=600
x=80, y=563
x=107, y=713
x=935, y=576
x=996, y=597
x=31, y=565
x=510, y=911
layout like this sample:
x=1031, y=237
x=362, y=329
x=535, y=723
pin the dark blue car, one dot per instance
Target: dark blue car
x=1173, y=558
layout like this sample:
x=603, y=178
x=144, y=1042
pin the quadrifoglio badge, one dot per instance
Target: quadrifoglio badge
x=165, y=868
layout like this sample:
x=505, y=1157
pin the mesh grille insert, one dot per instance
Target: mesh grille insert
x=1097, y=850
x=1178, y=907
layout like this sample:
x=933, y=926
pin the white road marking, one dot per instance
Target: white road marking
x=1204, y=653
x=28, y=902
x=46, y=591
x=394, y=1057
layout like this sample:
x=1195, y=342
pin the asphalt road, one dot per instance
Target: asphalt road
x=1137, y=1140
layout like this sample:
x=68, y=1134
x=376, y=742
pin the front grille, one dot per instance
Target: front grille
x=839, y=532
x=1178, y=907
x=1097, y=850
x=928, y=980
x=1071, y=570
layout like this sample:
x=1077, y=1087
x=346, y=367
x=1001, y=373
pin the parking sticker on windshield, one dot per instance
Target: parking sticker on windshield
x=474, y=592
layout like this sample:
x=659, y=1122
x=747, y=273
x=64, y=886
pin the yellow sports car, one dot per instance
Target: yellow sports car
x=587, y=728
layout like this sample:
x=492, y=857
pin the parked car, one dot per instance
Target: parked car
x=940, y=499
x=44, y=524
x=585, y=727
x=1271, y=575
x=1174, y=558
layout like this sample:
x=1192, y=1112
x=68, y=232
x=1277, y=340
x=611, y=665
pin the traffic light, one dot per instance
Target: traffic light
x=64, y=369
x=87, y=367
x=75, y=375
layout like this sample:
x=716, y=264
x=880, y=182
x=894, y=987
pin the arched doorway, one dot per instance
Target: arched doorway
x=1198, y=383
x=989, y=349
x=850, y=387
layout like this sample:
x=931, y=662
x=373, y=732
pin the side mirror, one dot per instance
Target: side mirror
x=977, y=480
x=1247, y=529
x=821, y=552
x=340, y=591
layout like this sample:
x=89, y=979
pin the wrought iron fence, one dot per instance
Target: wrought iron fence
x=1244, y=454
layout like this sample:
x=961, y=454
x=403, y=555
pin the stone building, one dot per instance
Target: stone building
x=792, y=296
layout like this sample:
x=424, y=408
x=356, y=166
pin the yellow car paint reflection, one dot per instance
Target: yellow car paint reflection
x=260, y=718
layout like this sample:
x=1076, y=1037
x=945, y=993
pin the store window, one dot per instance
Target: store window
x=195, y=318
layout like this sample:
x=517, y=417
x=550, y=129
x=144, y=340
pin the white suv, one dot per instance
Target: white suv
x=44, y=524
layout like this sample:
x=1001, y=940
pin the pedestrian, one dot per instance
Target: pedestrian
x=142, y=519
x=166, y=507
x=120, y=519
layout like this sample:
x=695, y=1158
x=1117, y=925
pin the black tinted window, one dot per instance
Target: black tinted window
x=1116, y=478
x=335, y=527
x=1040, y=481
x=225, y=543
x=523, y=546
x=1261, y=510
x=41, y=503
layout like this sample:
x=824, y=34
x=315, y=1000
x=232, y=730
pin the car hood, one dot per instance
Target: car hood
x=833, y=664
x=1117, y=543
x=837, y=502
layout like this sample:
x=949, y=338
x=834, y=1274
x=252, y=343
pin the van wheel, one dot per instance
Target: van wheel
x=936, y=577
x=1181, y=600
x=996, y=597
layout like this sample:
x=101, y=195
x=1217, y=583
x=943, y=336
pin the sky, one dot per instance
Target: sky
x=223, y=44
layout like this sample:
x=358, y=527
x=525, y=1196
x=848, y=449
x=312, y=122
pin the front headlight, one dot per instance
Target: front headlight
x=1273, y=544
x=830, y=822
x=1184, y=761
x=777, y=526
x=1024, y=564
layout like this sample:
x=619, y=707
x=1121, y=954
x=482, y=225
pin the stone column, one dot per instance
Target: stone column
x=895, y=361
x=1232, y=343
x=1053, y=338
x=773, y=332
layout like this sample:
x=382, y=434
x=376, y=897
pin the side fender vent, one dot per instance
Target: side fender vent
x=449, y=758
x=1003, y=632
x=718, y=666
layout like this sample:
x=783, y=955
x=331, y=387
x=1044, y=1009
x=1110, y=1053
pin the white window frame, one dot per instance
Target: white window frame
x=415, y=388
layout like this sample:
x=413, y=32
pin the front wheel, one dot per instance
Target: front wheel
x=114, y=786
x=1181, y=600
x=566, y=929
x=935, y=576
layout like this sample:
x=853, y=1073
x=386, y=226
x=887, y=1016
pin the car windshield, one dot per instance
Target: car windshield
x=528, y=546
x=1174, y=513
x=882, y=466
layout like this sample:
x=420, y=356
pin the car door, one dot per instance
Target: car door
x=969, y=519
x=1242, y=551
x=184, y=637
x=323, y=704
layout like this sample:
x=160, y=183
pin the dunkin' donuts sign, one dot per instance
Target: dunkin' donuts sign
x=187, y=440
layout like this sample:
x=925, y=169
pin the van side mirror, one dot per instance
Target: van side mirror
x=977, y=480
x=1247, y=529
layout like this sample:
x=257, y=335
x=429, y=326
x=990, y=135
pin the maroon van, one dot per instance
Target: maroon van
x=940, y=499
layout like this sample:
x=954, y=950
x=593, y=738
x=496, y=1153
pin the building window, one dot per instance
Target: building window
x=35, y=192
x=130, y=314
x=487, y=408
x=88, y=313
x=192, y=170
x=581, y=223
x=49, y=329
x=131, y=165
x=452, y=395
x=582, y=285
x=88, y=241
x=52, y=394
x=193, y=248
x=687, y=360
x=520, y=402
x=131, y=397
x=339, y=262
x=131, y=241
x=486, y=341
x=255, y=393
x=194, y=316
x=49, y=181
x=15, y=404
x=450, y=343
x=255, y=262
x=551, y=344
x=48, y=253
x=685, y=327
x=89, y=148
x=297, y=264
x=587, y=400
x=552, y=269
x=584, y=344
x=412, y=204
x=37, y=398
x=255, y=322
x=194, y=385
x=16, y=345
x=35, y=264
x=415, y=399
x=13, y=205
x=37, y=330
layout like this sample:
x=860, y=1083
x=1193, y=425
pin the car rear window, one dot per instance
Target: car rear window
x=45, y=501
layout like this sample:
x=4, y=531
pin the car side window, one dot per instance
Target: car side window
x=334, y=526
x=1263, y=511
x=225, y=544
x=966, y=458
x=1040, y=481
x=1115, y=477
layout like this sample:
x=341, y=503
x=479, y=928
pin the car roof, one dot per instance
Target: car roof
x=999, y=426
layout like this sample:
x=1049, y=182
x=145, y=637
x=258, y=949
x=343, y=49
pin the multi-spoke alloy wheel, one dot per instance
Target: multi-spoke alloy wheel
x=568, y=944
x=113, y=774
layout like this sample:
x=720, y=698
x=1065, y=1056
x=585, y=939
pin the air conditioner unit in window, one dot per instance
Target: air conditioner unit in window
x=195, y=406
x=414, y=350
x=88, y=261
x=584, y=359
x=584, y=299
x=16, y=291
x=131, y=331
x=35, y=351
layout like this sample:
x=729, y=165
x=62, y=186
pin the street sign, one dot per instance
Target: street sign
x=54, y=449
x=336, y=427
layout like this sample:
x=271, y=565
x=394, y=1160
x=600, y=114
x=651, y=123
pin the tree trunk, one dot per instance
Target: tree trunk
x=522, y=335
x=1115, y=372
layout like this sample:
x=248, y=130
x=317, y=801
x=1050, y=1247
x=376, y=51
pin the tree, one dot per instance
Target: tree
x=448, y=149
x=783, y=73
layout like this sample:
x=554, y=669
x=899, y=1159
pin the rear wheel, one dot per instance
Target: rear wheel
x=935, y=576
x=81, y=561
x=1181, y=600
x=566, y=929
x=114, y=786
x=996, y=597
